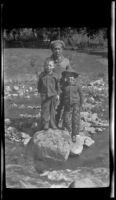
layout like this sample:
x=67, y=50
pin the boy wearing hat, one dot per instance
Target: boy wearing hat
x=60, y=63
x=72, y=100
x=48, y=87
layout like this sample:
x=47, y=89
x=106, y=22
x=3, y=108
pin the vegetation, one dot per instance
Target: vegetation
x=41, y=37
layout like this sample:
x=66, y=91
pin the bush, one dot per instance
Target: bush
x=78, y=38
x=83, y=40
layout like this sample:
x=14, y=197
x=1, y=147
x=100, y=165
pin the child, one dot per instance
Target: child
x=73, y=100
x=48, y=87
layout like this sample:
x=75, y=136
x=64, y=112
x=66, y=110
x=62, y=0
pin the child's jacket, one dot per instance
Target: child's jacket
x=48, y=84
x=72, y=94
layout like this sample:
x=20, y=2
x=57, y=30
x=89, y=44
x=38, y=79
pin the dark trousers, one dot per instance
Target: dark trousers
x=59, y=109
x=48, y=110
x=71, y=118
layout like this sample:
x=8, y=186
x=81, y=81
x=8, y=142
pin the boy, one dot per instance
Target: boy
x=48, y=87
x=72, y=100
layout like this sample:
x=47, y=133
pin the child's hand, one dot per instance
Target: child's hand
x=57, y=97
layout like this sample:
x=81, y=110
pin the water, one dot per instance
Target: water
x=91, y=168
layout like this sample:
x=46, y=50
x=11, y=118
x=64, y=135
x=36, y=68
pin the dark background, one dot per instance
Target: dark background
x=47, y=13
x=94, y=16
x=91, y=14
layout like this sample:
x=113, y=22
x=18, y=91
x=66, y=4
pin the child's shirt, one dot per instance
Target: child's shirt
x=48, y=84
x=72, y=94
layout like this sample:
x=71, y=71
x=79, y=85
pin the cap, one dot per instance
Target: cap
x=57, y=43
x=70, y=72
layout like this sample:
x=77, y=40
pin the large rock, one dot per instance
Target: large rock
x=50, y=144
x=77, y=148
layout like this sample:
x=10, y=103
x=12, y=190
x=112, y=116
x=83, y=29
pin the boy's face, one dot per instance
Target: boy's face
x=49, y=67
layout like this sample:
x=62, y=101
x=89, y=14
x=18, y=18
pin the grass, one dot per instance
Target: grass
x=22, y=64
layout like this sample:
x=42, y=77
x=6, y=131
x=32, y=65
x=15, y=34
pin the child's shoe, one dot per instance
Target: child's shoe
x=53, y=125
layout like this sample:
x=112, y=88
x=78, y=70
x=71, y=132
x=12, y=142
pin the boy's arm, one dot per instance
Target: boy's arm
x=58, y=89
x=57, y=84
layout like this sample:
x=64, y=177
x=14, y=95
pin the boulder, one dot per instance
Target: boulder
x=77, y=147
x=50, y=145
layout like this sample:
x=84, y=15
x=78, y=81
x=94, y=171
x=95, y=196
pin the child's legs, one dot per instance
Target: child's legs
x=66, y=117
x=45, y=111
x=52, y=110
x=59, y=109
x=75, y=119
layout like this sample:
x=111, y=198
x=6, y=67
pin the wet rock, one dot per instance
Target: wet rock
x=51, y=144
x=77, y=148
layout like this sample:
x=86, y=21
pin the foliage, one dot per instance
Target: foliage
x=74, y=37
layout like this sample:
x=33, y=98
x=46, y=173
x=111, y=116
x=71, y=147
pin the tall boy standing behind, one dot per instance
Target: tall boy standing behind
x=48, y=87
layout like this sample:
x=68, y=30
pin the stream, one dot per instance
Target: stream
x=91, y=168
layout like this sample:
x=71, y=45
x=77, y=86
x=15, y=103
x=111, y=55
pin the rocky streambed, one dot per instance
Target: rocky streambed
x=22, y=114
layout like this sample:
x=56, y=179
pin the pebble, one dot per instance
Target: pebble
x=22, y=106
x=16, y=87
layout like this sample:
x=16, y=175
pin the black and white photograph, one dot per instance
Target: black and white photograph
x=56, y=106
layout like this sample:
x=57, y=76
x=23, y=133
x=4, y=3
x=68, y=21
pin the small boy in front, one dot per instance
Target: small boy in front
x=73, y=100
x=48, y=87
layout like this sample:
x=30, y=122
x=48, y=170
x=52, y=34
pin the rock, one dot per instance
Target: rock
x=50, y=144
x=25, y=138
x=14, y=95
x=77, y=147
x=7, y=121
x=90, y=178
x=16, y=87
x=85, y=183
x=88, y=141
x=8, y=88
x=10, y=130
x=90, y=129
x=13, y=134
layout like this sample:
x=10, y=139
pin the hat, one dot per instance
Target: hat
x=57, y=43
x=70, y=72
